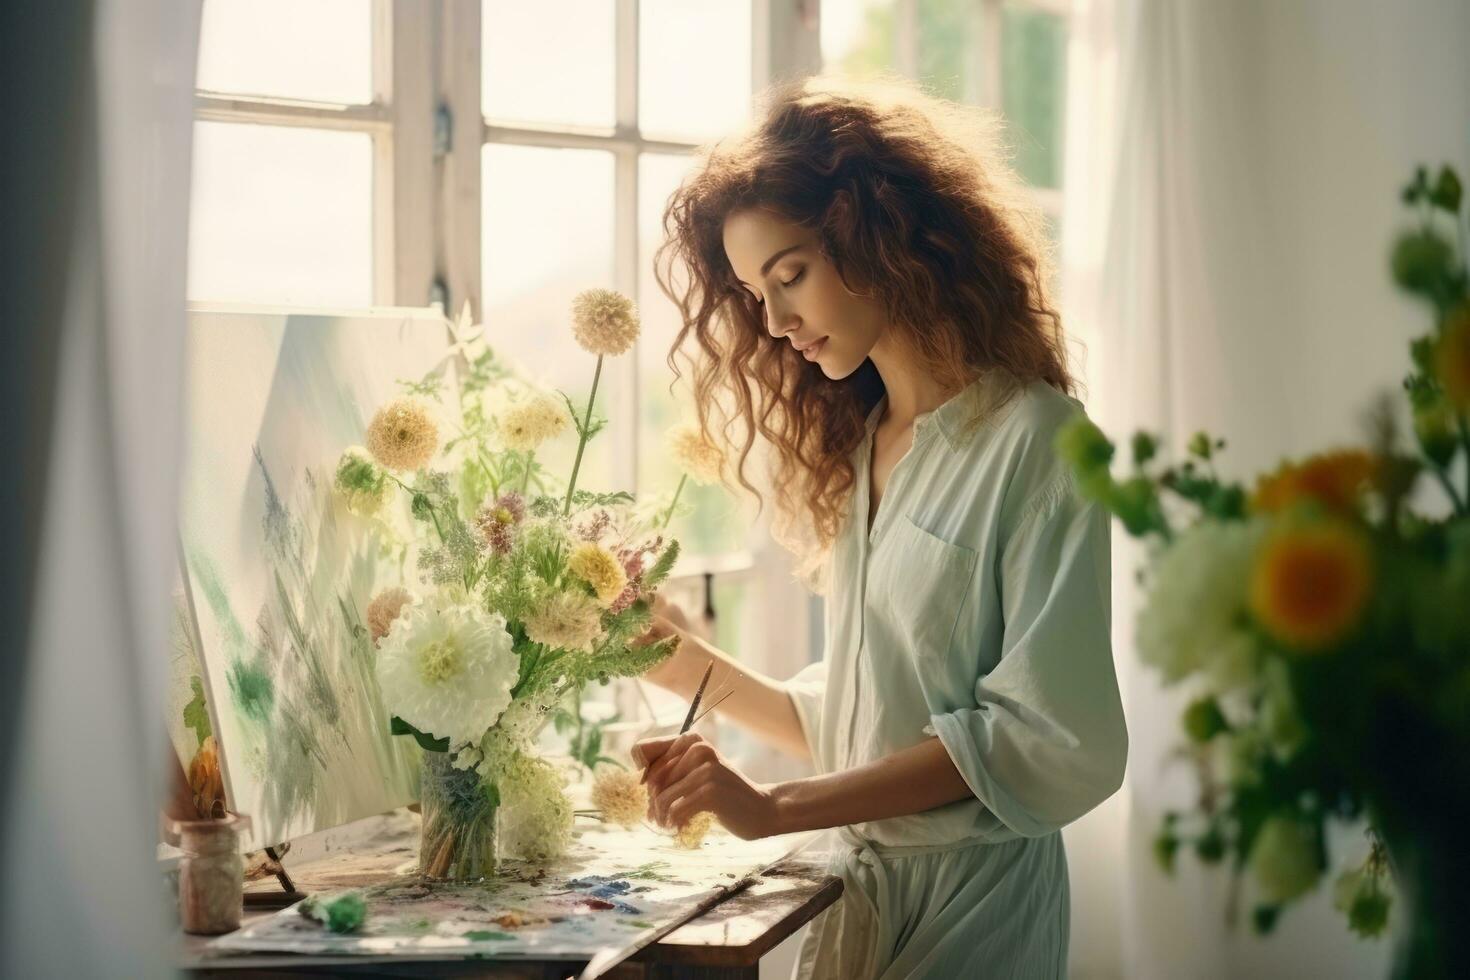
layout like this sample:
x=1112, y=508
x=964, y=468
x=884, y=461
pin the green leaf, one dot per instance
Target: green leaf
x=196, y=712
x=1447, y=190
x=397, y=726
x=492, y=794
x=661, y=568
x=1203, y=720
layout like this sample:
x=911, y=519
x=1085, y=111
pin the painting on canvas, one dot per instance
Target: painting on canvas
x=280, y=572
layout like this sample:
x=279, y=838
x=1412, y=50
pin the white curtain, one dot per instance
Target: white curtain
x=1231, y=178
x=82, y=895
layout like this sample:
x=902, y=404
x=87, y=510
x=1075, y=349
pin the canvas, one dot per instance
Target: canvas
x=279, y=572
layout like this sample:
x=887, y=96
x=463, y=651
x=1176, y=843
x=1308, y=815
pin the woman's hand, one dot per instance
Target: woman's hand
x=685, y=775
x=668, y=620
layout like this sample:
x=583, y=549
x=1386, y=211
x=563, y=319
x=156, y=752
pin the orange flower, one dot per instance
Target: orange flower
x=1336, y=480
x=1452, y=358
x=1310, y=584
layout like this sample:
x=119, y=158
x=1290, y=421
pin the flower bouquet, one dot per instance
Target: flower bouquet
x=1322, y=620
x=524, y=594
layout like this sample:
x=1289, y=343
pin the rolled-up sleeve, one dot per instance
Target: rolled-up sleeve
x=807, y=691
x=1045, y=741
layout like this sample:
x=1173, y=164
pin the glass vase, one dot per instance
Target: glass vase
x=457, y=838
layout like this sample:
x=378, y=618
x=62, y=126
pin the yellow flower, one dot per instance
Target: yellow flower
x=599, y=569
x=1452, y=358
x=1336, y=480
x=695, y=454
x=402, y=436
x=620, y=796
x=1310, y=584
x=528, y=423
x=691, y=835
x=604, y=321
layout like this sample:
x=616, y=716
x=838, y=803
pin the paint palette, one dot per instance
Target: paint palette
x=611, y=889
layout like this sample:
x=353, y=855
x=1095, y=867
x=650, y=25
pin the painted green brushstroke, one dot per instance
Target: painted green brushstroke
x=478, y=935
x=208, y=579
x=253, y=690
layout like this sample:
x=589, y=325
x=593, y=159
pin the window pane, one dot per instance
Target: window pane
x=281, y=215
x=567, y=47
x=694, y=66
x=858, y=36
x=944, y=30
x=320, y=50
x=1033, y=84
x=719, y=521
x=548, y=235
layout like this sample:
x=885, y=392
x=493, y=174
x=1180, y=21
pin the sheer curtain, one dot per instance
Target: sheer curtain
x=1232, y=181
x=82, y=895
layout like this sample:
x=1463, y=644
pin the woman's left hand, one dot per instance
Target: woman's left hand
x=686, y=775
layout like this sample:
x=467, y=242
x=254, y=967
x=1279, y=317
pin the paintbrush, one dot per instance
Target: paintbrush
x=693, y=708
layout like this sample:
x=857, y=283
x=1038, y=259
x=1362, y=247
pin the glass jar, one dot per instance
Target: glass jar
x=457, y=839
x=211, y=873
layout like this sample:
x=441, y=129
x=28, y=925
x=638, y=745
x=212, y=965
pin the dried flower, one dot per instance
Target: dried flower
x=691, y=835
x=696, y=454
x=620, y=796
x=402, y=435
x=604, y=321
x=497, y=521
x=565, y=621
x=384, y=609
x=526, y=424
x=599, y=569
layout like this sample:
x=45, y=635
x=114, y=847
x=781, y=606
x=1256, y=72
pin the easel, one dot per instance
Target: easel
x=288, y=895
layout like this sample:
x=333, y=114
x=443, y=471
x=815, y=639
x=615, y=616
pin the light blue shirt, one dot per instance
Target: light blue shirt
x=976, y=609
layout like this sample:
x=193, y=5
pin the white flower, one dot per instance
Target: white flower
x=447, y=670
x=535, y=815
x=1193, y=617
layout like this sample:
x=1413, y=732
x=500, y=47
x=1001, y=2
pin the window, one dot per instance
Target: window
x=1005, y=54
x=389, y=152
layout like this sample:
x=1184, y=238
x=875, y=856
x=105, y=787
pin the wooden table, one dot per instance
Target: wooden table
x=723, y=944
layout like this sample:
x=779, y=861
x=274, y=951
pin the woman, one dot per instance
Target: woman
x=865, y=288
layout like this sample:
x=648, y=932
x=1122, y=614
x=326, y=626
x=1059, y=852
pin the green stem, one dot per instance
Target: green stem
x=669, y=514
x=582, y=440
x=489, y=471
x=526, y=477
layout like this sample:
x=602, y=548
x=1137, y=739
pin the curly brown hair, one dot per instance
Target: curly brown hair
x=913, y=201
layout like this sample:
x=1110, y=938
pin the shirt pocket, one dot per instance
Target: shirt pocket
x=925, y=587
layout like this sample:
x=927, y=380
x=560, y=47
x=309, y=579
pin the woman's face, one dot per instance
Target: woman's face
x=802, y=297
